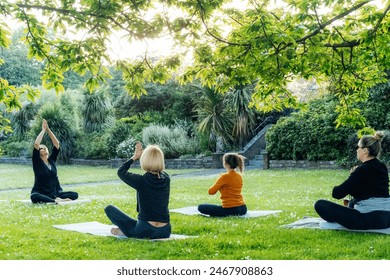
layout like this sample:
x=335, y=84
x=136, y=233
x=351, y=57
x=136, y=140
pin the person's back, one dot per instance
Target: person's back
x=230, y=186
x=153, y=190
x=368, y=185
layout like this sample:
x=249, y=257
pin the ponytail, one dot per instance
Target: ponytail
x=235, y=160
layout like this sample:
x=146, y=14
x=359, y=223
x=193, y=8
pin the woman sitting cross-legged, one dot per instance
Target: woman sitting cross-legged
x=229, y=185
x=153, y=189
x=47, y=187
x=368, y=184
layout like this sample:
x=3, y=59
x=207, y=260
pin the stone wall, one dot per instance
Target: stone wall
x=202, y=163
x=206, y=163
x=18, y=160
x=304, y=164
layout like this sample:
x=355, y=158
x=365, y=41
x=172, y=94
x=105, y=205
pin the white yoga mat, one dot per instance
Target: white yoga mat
x=77, y=201
x=193, y=210
x=96, y=228
x=319, y=223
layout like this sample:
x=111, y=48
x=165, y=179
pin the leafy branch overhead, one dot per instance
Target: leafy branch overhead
x=344, y=43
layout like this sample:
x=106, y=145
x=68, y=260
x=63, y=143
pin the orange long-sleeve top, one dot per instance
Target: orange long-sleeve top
x=230, y=186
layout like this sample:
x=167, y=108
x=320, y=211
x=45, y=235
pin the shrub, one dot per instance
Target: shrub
x=385, y=153
x=174, y=141
x=138, y=122
x=377, y=108
x=116, y=134
x=93, y=146
x=126, y=148
x=167, y=102
x=14, y=148
x=310, y=135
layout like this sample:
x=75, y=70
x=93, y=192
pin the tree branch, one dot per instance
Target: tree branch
x=33, y=37
x=380, y=20
x=44, y=8
x=202, y=12
x=329, y=22
x=76, y=15
x=349, y=44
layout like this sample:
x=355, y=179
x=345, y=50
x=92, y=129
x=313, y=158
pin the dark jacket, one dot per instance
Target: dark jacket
x=46, y=180
x=371, y=179
x=152, y=193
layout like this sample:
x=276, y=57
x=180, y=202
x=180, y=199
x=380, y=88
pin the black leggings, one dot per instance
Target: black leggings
x=352, y=218
x=41, y=198
x=136, y=228
x=219, y=211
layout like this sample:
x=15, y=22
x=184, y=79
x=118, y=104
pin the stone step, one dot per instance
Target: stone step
x=256, y=163
x=258, y=157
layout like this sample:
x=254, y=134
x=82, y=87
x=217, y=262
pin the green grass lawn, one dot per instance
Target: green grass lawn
x=26, y=231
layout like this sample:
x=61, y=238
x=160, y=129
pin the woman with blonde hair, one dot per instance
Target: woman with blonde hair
x=230, y=185
x=153, y=189
x=368, y=184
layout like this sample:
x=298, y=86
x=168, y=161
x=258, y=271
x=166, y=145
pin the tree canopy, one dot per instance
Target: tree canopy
x=344, y=42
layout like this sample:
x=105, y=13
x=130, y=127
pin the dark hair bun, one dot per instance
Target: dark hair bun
x=378, y=135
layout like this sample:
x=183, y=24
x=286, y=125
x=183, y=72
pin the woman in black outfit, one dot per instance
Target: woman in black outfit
x=368, y=184
x=46, y=185
x=153, y=189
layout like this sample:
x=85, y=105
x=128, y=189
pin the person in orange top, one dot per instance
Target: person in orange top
x=229, y=185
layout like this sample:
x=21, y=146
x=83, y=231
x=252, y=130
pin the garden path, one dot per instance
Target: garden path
x=200, y=173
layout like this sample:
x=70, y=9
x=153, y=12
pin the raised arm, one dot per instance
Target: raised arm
x=38, y=140
x=137, y=151
x=53, y=138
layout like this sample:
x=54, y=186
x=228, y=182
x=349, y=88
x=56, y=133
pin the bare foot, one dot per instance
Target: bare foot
x=117, y=231
x=59, y=200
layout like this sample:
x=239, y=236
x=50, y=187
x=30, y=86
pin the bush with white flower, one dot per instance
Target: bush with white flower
x=126, y=148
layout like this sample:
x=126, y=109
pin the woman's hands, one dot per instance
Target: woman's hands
x=138, y=151
x=45, y=128
x=38, y=140
x=44, y=125
x=354, y=168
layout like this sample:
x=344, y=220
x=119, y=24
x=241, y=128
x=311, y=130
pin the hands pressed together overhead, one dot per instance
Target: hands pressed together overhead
x=44, y=125
x=138, y=151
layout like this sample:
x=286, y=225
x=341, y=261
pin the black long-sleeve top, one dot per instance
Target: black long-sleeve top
x=45, y=180
x=152, y=193
x=371, y=179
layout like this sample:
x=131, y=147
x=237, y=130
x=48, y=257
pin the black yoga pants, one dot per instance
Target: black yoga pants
x=352, y=218
x=41, y=198
x=219, y=211
x=136, y=228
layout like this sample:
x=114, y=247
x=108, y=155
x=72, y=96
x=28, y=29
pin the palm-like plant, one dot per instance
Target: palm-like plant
x=238, y=100
x=216, y=119
x=95, y=110
x=21, y=120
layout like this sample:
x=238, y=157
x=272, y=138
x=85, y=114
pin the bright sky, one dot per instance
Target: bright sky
x=120, y=48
